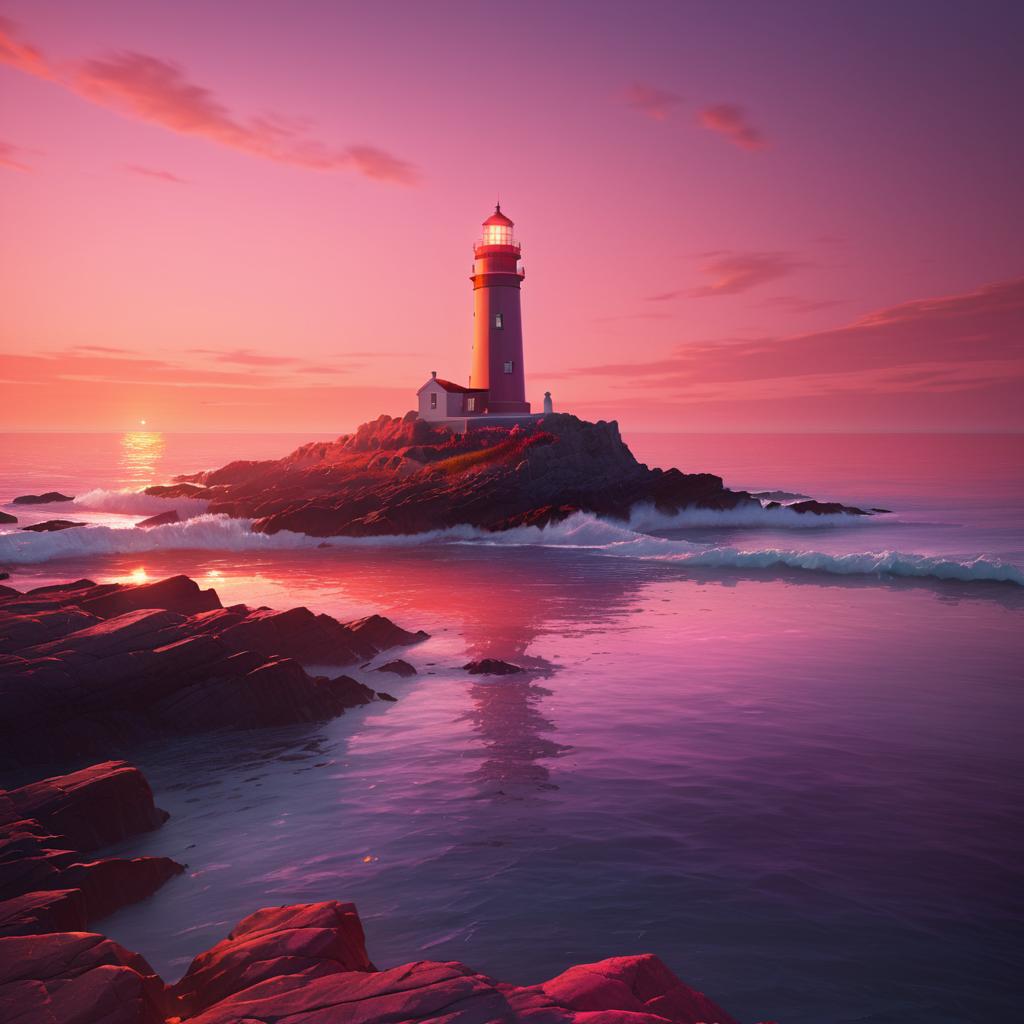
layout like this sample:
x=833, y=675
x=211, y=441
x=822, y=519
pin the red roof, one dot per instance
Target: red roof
x=498, y=218
x=449, y=386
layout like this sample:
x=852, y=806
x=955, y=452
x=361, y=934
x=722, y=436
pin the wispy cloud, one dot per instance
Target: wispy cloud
x=245, y=357
x=159, y=92
x=655, y=103
x=731, y=121
x=155, y=172
x=971, y=342
x=795, y=304
x=735, y=272
x=10, y=157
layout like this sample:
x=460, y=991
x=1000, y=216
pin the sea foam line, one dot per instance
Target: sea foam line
x=580, y=531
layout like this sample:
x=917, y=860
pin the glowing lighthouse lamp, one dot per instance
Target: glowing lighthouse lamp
x=497, y=382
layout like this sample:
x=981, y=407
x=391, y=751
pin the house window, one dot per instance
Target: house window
x=509, y=366
x=471, y=404
x=499, y=320
x=433, y=399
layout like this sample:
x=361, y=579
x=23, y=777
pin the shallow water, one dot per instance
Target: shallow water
x=800, y=789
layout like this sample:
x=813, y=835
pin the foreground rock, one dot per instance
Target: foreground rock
x=47, y=884
x=397, y=476
x=309, y=963
x=41, y=499
x=87, y=667
x=6, y=517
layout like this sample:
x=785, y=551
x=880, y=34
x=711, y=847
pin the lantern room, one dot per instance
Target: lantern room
x=497, y=230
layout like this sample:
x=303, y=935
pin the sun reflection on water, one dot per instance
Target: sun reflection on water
x=141, y=451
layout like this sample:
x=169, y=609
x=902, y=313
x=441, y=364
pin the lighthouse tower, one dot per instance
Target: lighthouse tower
x=497, y=362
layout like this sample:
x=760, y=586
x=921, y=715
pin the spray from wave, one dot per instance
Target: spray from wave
x=137, y=503
x=580, y=531
x=646, y=518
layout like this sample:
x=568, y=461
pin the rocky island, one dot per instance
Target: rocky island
x=406, y=475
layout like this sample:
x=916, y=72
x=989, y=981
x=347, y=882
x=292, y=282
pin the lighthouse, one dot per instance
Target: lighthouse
x=497, y=362
x=496, y=394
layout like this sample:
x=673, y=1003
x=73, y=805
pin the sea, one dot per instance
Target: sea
x=782, y=752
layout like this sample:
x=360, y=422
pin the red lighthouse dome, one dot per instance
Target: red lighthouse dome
x=497, y=229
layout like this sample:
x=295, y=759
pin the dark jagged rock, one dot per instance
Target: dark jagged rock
x=826, y=508
x=91, y=808
x=6, y=517
x=491, y=667
x=41, y=499
x=52, y=526
x=163, y=519
x=399, y=476
x=397, y=667
x=46, y=882
x=85, y=666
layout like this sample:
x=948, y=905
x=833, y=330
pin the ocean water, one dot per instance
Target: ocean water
x=738, y=743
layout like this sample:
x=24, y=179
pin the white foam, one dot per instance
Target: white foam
x=646, y=517
x=581, y=531
x=137, y=503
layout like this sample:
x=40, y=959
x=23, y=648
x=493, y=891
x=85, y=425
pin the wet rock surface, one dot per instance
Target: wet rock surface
x=398, y=667
x=88, y=668
x=491, y=667
x=47, y=828
x=399, y=476
x=308, y=962
x=163, y=519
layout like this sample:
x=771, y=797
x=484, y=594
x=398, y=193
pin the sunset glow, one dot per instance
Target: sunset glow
x=206, y=209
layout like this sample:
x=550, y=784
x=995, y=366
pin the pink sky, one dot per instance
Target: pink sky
x=734, y=216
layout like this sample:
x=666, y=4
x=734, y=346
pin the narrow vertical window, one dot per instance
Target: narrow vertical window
x=433, y=399
x=499, y=320
x=509, y=366
x=471, y=404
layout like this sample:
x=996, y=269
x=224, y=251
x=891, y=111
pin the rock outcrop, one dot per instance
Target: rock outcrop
x=398, y=667
x=162, y=519
x=41, y=499
x=6, y=518
x=398, y=476
x=47, y=884
x=491, y=667
x=52, y=526
x=87, y=667
x=309, y=963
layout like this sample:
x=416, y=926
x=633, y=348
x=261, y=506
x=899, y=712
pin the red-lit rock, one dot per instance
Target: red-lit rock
x=309, y=963
x=76, y=978
x=87, y=667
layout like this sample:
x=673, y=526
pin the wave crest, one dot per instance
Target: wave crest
x=581, y=531
x=137, y=503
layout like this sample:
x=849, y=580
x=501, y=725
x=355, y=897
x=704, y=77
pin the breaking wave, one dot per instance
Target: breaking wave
x=136, y=503
x=647, y=518
x=581, y=531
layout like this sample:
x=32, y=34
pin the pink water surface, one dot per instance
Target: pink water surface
x=800, y=789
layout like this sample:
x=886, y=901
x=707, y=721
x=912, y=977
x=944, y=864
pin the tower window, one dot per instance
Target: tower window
x=509, y=366
x=433, y=399
x=471, y=404
x=499, y=320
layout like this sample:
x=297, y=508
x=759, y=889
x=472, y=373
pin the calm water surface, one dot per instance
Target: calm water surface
x=801, y=790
